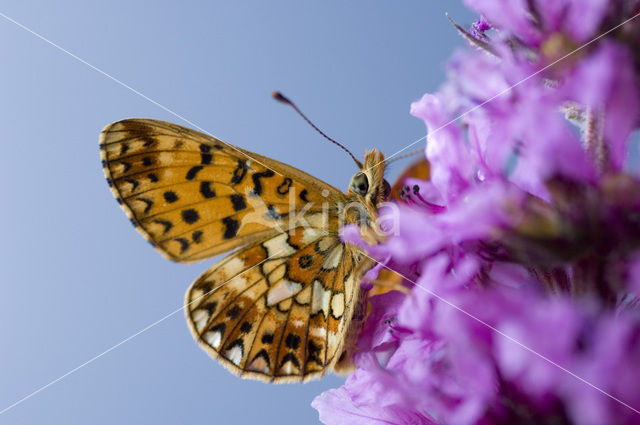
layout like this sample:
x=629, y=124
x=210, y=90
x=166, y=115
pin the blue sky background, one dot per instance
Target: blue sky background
x=75, y=278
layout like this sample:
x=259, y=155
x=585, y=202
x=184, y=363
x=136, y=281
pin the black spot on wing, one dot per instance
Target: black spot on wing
x=257, y=184
x=126, y=165
x=205, y=287
x=305, y=261
x=147, y=161
x=246, y=327
x=206, y=158
x=148, y=141
x=167, y=225
x=184, y=244
x=153, y=178
x=193, y=171
x=234, y=312
x=292, y=341
x=303, y=195
x=210, y=307
x=170, y=196
x=238, y=203
x=239, y=172
x=284, y=187
x=231, y=227
x=148, y=204
x=134, y=184
x=190, y=216
x=267, y=338
x=290, y=357
x=314, y=352
x=206, y=190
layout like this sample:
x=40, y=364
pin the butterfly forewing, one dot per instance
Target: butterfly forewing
x=194, y=196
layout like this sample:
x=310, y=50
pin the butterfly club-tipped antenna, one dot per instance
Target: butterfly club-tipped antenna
x=282, y=98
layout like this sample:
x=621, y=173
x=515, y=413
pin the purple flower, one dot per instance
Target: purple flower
x=479, y=27
x=452, y=168
x=612, y=93
x=342, y=407
x=450, y=367
x=633, y=274
x=523, y=248
x=580, y=19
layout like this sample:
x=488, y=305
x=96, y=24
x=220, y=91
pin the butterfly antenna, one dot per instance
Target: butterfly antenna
x=280, y=97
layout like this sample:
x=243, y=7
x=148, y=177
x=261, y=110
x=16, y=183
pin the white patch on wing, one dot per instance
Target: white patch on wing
x=277, y=274
x=196, y=294
x=304, y=297
x=259, y=365
x=320, y=299
x=213, y=338
x=309, y=235
x=298, y=323
x=333, y=259
x=316, y=220
x=318, y=332
x=337, y=305
x=287, y=368
x=269, y=266
x=166, y=157
x=232, y=267
x=325, y=243
x=278, y=246
x=200, y=318
x=281, y=291
x=234, y=354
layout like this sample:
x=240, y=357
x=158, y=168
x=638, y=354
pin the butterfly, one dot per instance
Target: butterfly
x=286, y=304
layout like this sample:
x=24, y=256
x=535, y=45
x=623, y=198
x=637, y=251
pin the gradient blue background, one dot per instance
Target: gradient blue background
x=75, y=278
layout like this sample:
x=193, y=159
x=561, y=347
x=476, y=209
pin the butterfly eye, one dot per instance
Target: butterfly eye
x=360, y=183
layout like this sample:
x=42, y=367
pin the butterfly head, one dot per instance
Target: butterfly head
x=367, y=190
x=369, y=182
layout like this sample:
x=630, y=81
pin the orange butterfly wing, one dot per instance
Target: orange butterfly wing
x=193, y=196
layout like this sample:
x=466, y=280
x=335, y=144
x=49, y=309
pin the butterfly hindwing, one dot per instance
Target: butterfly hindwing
x=277, y=310
x=193, y=196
